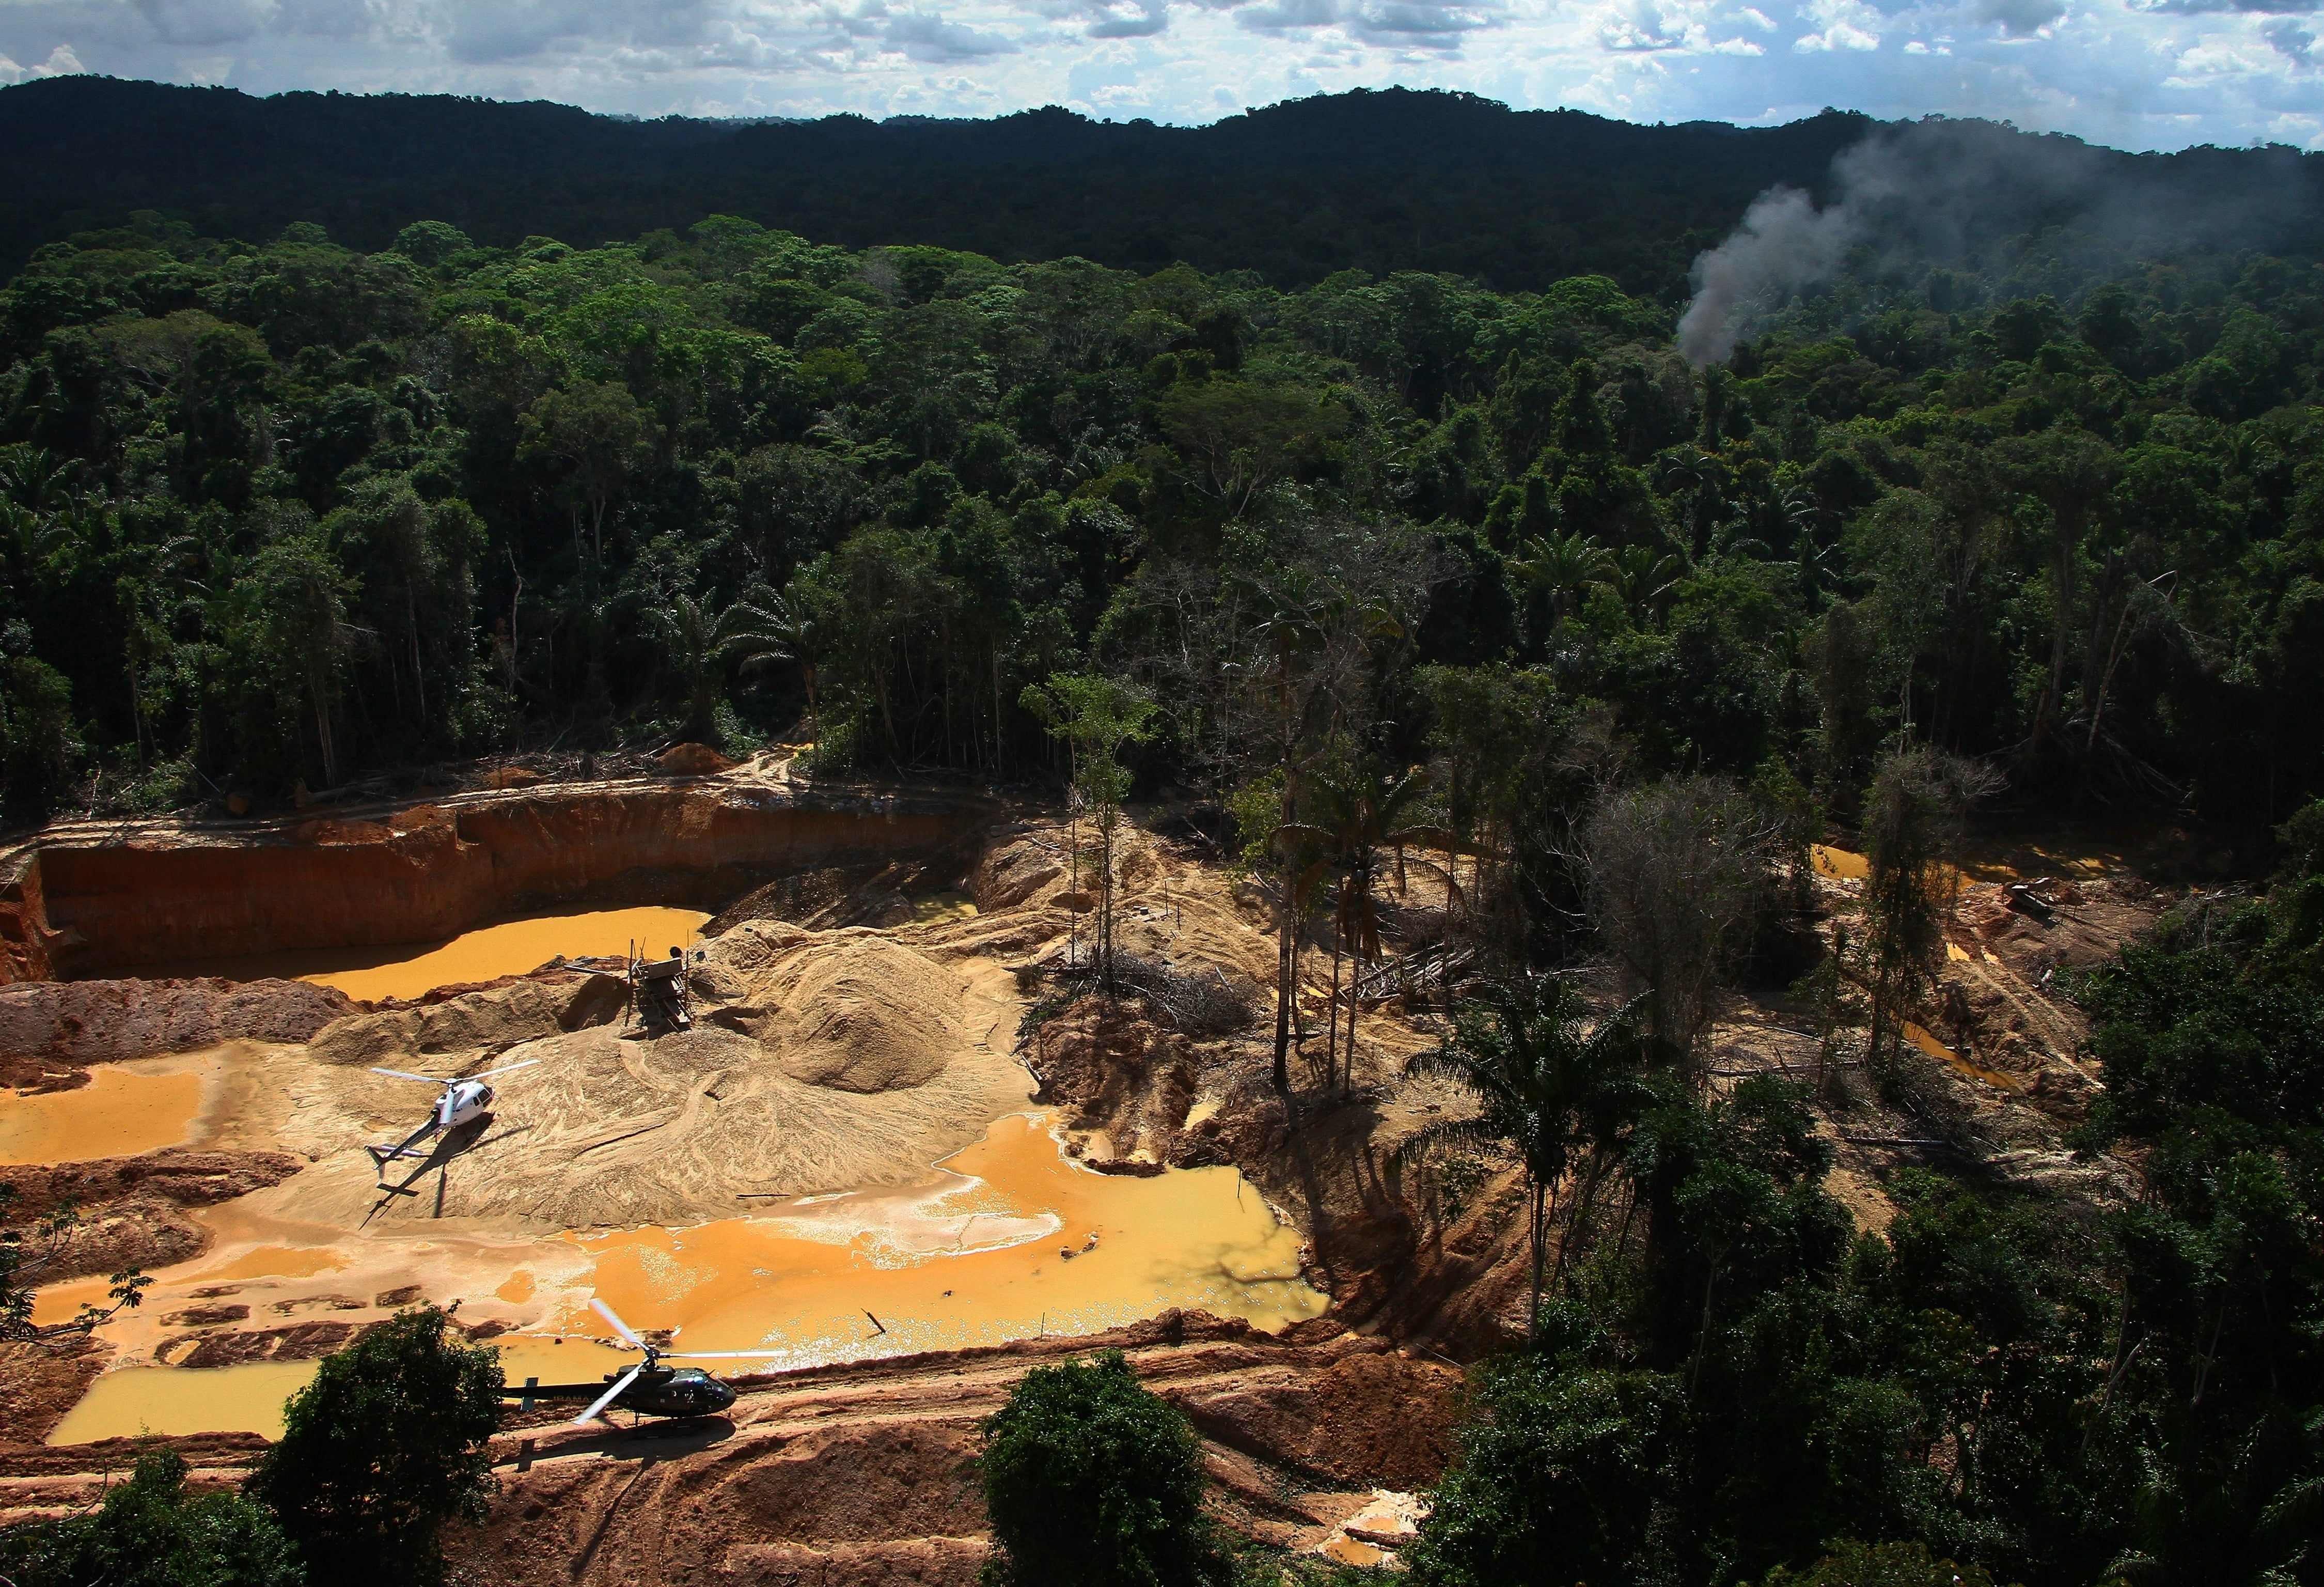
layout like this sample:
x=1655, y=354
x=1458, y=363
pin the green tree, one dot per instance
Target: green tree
x=27, y=1249
x=151, y=1531
x=1562, y=1476
x=39, y=741
x=1551, y=1082
x=1236, y=439
x=1090, y=1478
x=384, y=1447
x=431, y=242
x=1880, y=1565
x=289, y=632
x=412, y=562
x=595, y=436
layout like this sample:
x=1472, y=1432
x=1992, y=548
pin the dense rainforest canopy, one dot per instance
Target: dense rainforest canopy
x=288, y=511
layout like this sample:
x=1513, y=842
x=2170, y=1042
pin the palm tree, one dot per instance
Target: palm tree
x=685, y=630
x=770, y=631
x=1802, y=511
x=1565, y=569
x=1644, y=576
x=1294, y=608
x=1361, y=823
x=1814, y=567
x=1689, y=469
x=701, y=647
x=1550, y=1083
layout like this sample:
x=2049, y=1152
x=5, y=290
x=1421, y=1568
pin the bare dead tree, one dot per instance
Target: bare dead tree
x=1913, y=825
x=1677, y=871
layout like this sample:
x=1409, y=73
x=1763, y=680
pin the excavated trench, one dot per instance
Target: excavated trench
x=843, y=1160
x=91, y=901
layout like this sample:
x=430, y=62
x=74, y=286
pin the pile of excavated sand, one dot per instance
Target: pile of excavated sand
x=819, y=1062
x=869, y=1016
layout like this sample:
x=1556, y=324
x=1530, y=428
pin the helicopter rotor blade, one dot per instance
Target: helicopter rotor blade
x=610, y=1396
x=503, y=1069
x=407, y=1075
x=768, y=1353
x=620, y=1327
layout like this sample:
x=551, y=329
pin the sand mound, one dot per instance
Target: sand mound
x=693, y=760
x=609, y=1132
x=868, y=1016
x=753, y=945
x=1014, y=870
x=101, y=1021
x=488, y=1022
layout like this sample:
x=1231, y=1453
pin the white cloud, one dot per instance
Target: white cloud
x=2136, y=73
x=61, y=62
x=1839, y=24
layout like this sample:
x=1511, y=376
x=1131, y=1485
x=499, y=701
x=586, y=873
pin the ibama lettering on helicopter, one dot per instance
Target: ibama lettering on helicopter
x=463, y=1100
x=648, y=1389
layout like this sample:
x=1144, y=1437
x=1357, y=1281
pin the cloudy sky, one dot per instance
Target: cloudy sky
x=2141, y=74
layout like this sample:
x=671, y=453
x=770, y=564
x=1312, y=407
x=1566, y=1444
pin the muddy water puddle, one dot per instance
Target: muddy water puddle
x=126, y=1109
x=1020, y=1242
x=1921, y=1037
x=1012, y=1240
x=502, y=947
x=939, y=907
x=161, y=1400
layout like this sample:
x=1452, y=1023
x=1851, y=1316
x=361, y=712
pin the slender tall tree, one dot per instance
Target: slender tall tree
x=1551, y=1082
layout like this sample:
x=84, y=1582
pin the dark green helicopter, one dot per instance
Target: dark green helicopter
x=648, y=1389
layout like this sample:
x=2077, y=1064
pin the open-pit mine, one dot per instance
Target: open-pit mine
x=888, y=1149
x=856, y=1150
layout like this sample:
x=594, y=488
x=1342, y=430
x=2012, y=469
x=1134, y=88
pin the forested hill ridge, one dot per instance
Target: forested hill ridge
x=1379, y=182
x=292, y=512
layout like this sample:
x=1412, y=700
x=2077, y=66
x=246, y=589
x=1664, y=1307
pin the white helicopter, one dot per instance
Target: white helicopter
x=463, y=1100
x=648, y=1389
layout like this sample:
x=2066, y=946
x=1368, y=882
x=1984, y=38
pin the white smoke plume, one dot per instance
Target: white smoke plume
x=1955, y=192
x=1784, y=244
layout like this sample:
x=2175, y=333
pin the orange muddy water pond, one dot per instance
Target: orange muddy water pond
x=119, y=1113
x=1017, y=1240
x=977, y=1257
x=503, y=947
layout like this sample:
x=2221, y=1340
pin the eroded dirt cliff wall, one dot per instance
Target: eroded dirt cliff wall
x=432, y=871
x=24, y=933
